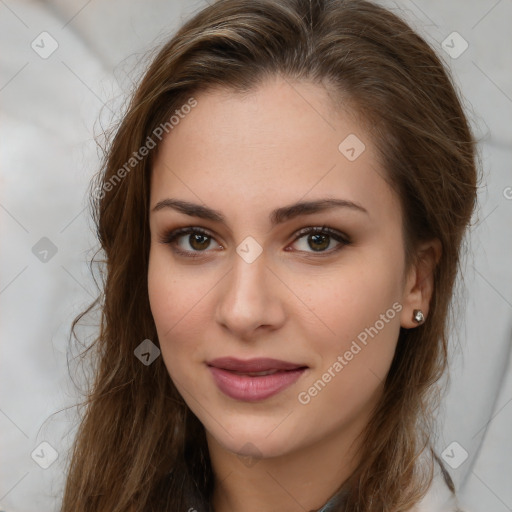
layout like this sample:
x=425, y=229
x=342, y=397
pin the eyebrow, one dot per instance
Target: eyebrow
x=277, y=216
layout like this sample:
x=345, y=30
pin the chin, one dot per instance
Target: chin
x=248, y=440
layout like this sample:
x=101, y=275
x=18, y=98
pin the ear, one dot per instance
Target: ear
x=419, y=284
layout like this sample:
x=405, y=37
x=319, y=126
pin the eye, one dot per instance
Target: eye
x=198, y=240
x=318, y=239
x=193, y=241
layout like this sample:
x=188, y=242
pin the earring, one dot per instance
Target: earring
x=418, y=316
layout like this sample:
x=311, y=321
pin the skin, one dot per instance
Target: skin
x=245, y=156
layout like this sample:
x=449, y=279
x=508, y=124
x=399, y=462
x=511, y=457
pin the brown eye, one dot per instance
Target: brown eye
x=194, y=242
x=318, y=242
x=319, y=239
x=199, y=242
x=188, y=241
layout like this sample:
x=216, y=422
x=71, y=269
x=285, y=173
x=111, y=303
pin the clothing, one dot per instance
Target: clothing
x=439, y=497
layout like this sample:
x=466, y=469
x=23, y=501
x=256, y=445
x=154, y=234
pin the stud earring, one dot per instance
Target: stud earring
x=418, y=316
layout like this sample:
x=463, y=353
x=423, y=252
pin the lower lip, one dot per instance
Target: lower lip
x=252, y=389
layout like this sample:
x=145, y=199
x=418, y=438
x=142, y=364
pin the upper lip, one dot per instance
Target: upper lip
x=253, y=365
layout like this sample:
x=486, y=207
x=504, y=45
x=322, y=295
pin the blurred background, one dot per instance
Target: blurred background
x=66, y=69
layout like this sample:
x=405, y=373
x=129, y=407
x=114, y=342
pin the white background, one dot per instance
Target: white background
x=49, y=115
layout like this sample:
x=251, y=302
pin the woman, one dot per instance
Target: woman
x=282, y=210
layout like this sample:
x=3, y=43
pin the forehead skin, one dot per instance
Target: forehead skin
x=274, y=146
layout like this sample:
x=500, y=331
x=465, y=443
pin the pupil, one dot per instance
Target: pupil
x=199, y=239
x=317, y=239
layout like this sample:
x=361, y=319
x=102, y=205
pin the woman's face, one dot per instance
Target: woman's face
x=252, y=282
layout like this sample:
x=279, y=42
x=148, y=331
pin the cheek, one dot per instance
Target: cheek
x=162, y=292
x=353, y=365
x=361, y=310
x=348, y=301
x=175, y=303
x=175, y=296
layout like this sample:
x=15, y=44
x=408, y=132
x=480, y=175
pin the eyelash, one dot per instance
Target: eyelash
x=170, y=237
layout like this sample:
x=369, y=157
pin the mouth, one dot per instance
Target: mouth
x=257, y=374
x=255, y=379
x=254, y=366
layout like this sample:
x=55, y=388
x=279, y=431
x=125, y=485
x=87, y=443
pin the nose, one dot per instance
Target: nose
x=250, y=299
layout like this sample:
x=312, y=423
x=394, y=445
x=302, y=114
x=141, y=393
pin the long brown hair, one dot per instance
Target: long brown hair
x=139, y=447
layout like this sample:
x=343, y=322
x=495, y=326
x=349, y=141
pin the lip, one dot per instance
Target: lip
x=253, y=388
x=259, y=364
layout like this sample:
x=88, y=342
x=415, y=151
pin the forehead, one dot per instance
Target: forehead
x=282, y=142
